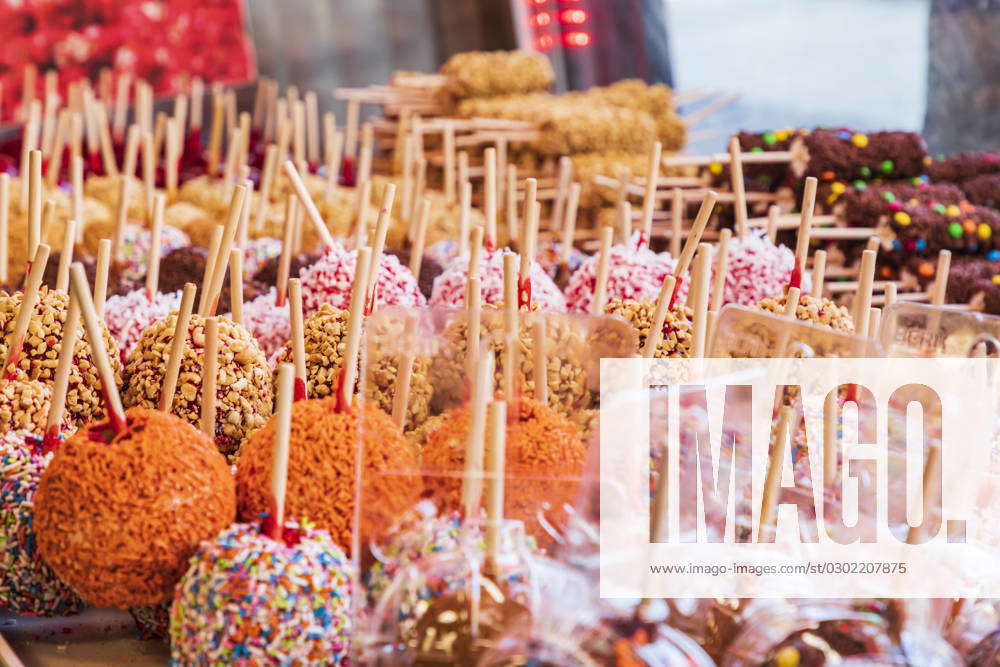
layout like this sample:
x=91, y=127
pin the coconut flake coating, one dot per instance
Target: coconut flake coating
x=321, y=470
x=43, y=343
x=248, y=599
x=128, y=316
x=330, y=279
x=756, y=269
x=633, y=274
x=268, y=322
x=244, y=393
x=27, y=584
x=450, y=287
x=118, y=520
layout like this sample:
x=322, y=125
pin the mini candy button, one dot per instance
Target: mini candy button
x=955, y=230
x=913, y=201
x=844, y=134
x=859, y=140
x=896, y=245
x=781, y=135
x=889, y=197
x=911, y=245
x=969, y=226
x=926, y=269
x=940, y=208
x=953, y=211
x=984, y=231
x=756, y=149
x=887, y=166
x=866, y=172
x=715, y=168
x=787, y=656
x=827, y=175
x=769, y=138
x=895, y=206
x=902, y=217
x=921, y=244
x=995, y=280
x=860, y=185
x=838, y=188
x=993, y=255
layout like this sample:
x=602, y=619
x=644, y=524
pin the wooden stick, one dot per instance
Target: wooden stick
x=28, y=89
x=699, y=286
x=831, y=442
x=721, y=267
x=874, y=322
x=236, y=284
x=26, y=147
x=863, y=297
x=297, y=322
x=511, y=204
x=172, y=160
x=463, y=170
x=603, y=265
x=655, y=335
x=121, y=218
x=818, y=273
x=676, y=220
x=285, y=260
x=4, y=228
x=66, y=256
x=364, y=171
x=354, y=321
x=364, y=205
x=649, y=201
x=694, y=235
x=418, y=196
x=495, y=470
x=214, y=244
x=76, y=197
x=890, y=295
x=122, y=86
x=528, y=247
x=931, y=489
x=29, y=300
x=266, y=184
x=940, y=287
x=772, y=482
x=299, y=134
x=220, y=264
x=58, y=147
x=282, y=436
x=562, y=188
x=81, y=292
x=148, y=170
x=773, y=213
x=172, y=370
x=312, y=126
x=789, y=313
x=101, y=275
x=334, y=156
x=351, y=140
x=475, y=252
x=404, y=372
x=107, y=148
x=805, y=224
x=569, y=223
x=197, y=103
x=739, y=188
x=417, y=251
x=449, y=162
x=475, y=442
x=34, y=201
x=215, y=136
x=159, y=134
x=474, y=308
x=378, y=248
x=210, y=376
x=60, y=385
x=511, y=328
x=310, y=206
x=406, y=185
x=464, y=218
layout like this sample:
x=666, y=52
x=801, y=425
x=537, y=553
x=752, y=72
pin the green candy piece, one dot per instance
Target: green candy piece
x=889, y=197
x=955, y=230
x=769, y=138
x=866, y=172
x=941, y=208
x=888, y=166
x=756, y=149
x=860, y=185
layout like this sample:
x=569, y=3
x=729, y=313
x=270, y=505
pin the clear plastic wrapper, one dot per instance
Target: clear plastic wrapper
x=921, y=330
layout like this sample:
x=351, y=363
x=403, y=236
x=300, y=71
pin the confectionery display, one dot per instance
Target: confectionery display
x=293, y=388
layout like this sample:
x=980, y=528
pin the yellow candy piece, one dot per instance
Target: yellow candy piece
x=902, y=217
x=787, y=657
x=838, y=187
x=996, y=280
x=953, y=211
x=913, y=201
x=859, y=140
x=781, y=135
x=715, y=168
x=984, y=231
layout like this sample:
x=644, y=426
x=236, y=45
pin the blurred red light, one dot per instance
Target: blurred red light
x=577, y=39
x=544, y=42
x=538, y=2
x=573, y=16
x=542, y=19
